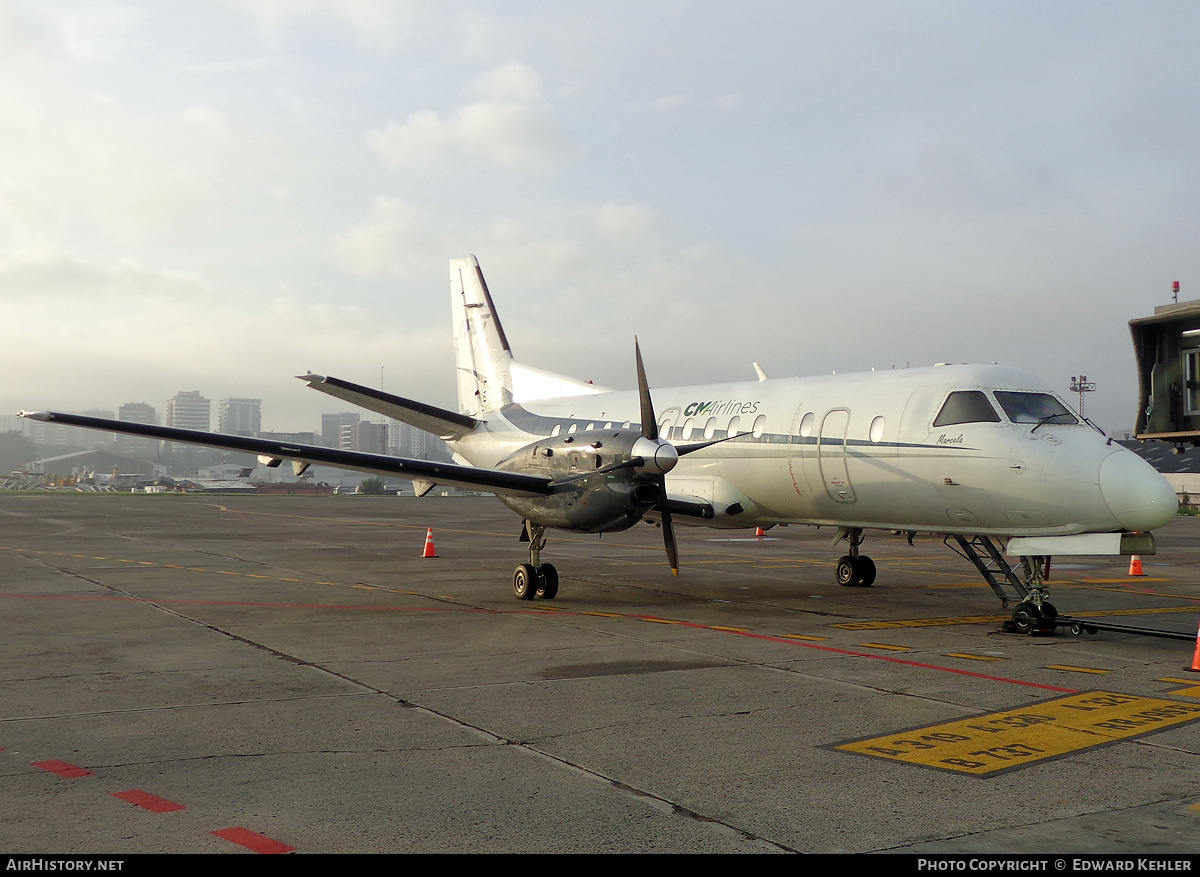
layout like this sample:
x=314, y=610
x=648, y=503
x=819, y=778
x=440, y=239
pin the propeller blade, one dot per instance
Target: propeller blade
x=668, y=532
x=649, y=422
x=665, y=462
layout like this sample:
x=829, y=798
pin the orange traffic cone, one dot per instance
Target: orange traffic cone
x=430, y=551
x=1135, y=566
x=1196, y=657
x=759, y=532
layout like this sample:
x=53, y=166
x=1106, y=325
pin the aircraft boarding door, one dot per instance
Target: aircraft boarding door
x=801, y=434
x=831, y=455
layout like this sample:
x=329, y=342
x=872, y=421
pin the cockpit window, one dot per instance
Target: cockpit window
x=1033, y=408
x=966, y=406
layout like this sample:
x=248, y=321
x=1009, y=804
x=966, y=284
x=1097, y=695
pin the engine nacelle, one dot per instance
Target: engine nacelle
x=595, y=497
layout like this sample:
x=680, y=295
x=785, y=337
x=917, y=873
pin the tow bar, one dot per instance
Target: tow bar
x=1077, y=626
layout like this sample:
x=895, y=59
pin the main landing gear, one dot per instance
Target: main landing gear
x=854, y=569
x=535, y=579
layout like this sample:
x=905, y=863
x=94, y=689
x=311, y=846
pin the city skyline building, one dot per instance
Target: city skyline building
x=239, y=416
x=136, y=445
x=405, y=440
x=366, y=436
x=187, y=409
x=331, y=427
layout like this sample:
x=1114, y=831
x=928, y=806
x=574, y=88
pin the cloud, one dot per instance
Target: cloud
x=389, y=241
x=1012, y=191
x=101, y=32
x=396, y=239
x=623, y=222
x=122, y=331
x=64, y=284
x=574, y=282
x=75, y=160
x=669, y=102
x=510, y=127
x=25, y=32
x=206, y=121
x=28, y=217
x=381, y=23
x=512, y=82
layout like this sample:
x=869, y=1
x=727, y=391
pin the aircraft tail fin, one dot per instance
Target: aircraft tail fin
x=481, y=353
x=488, y=376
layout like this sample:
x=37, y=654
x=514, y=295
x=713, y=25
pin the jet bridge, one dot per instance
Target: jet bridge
x=1167, y=348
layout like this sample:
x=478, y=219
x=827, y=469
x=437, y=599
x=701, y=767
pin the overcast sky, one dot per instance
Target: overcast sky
x=217, y=196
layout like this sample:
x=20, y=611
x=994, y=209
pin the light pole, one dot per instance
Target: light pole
x=1082, y=385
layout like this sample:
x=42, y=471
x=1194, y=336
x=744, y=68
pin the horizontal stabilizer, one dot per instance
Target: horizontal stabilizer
x=445, y=424
x=532, y=384
x=420, y=471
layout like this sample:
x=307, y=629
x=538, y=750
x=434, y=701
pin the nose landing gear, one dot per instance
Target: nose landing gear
x=1032, y=618
x=1035, y=614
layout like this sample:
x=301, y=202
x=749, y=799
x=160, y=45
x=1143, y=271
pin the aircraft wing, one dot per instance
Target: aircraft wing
x=425, y=472
x=442, y=423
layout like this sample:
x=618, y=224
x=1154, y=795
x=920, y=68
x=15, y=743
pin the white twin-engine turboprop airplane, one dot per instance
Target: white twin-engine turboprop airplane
x=980, y=454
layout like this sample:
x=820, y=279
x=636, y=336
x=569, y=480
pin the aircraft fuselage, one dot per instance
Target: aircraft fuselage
x=887, y=450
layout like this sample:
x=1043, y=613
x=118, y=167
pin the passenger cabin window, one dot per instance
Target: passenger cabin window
x=966, y=406
x=1033, y=408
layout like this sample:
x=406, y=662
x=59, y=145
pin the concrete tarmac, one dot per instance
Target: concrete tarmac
x=232, y=674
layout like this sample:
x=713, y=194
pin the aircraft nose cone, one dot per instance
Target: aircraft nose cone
x=1139, y=498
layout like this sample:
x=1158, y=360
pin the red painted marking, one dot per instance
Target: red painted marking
x=773, y=639
x=252, y=841
x=888, y=658
x=148, y=801
x=63, y=769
